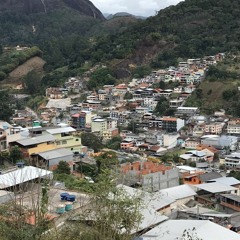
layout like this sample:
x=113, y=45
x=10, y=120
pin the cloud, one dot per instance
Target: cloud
x=136, y=7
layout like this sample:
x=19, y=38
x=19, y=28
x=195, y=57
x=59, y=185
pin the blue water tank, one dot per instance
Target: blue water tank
x=20, y=164
x=64, y=196
x=71, y=198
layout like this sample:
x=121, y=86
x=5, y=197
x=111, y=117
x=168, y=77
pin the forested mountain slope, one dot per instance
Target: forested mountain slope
x=193, y=28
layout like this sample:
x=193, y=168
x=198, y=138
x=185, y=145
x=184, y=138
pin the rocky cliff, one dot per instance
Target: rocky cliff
x=84, y=7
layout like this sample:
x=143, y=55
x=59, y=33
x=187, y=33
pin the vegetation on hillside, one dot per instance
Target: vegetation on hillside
x=12, y=58
x=220, y=89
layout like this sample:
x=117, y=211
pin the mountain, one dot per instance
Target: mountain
x=57, y=27
x=121, y=14
x=192, y=28
x=84, y=7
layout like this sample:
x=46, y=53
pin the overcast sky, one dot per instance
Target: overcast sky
x=135, y=7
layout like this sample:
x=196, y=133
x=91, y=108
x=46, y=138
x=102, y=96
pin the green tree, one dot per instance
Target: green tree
x=128, y=96
x=92, y=141
x=6, y=107
x=114, y=143
x=106, y=161
x=32, y=82
x=235, y=174
x=63, y=168
x=162, y=106
x=115, y=214
x=15, y=154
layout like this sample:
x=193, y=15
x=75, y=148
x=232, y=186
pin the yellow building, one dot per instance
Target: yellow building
x=29, y=146
x=65, y=138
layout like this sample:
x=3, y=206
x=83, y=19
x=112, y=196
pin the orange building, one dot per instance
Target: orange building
x=144, y=168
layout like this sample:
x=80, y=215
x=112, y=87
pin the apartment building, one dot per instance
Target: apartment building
x=233, y=126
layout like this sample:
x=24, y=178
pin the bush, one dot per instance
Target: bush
x=2, y=75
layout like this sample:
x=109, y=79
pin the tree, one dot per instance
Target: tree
x=128, y=96
x=199, y=93
x=63, y=168
x=15, y=154
x=6, y=108
x=92, y=141
x=32, y=81
x=112, y=214
x=106, y=161
x=235, y=174
x=162, y=106
x=114, y=143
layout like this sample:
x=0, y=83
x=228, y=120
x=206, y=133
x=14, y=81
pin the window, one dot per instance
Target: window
x=65, y=134
x=64, y=142
x=58, y=143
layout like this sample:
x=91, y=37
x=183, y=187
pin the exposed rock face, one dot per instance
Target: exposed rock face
x=84, y=7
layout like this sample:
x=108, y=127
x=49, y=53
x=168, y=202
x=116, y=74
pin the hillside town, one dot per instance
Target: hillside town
x=179, y=164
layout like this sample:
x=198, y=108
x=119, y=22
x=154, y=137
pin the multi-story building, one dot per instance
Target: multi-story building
x=65, y=138
x=155, y=123
x=91, y=105
x=187, y=110
x=234, y=126
x=192, y=142
x=99, y=125
x=82, y=120
x=112, y=123
x=110, y=133
x=127, y=144
x=214, y=128
x=102, y=94
x=151, y=176
x=175, y=103
x=171, y=124
x=233, y=160
x=220, y=142
x=29, y=146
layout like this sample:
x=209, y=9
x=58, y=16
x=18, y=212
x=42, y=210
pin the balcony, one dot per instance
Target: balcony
x=232, y=206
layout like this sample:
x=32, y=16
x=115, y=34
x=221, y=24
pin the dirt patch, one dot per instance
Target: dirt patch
x=35, y=63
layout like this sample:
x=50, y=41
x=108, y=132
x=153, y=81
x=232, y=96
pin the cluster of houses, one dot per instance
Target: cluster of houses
x=42, y=147
x=165, y=203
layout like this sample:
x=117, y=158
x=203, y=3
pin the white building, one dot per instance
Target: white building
x=233, y=160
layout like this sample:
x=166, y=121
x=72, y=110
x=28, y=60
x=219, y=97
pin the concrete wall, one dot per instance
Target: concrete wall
x=6, y=196
x=55, y=161
x=157, y=181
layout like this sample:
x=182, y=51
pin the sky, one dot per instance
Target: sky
x=144, y=8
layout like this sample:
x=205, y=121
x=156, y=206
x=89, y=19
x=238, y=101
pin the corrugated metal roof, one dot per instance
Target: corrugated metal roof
x=197, y=229
x=36, y=140
x=61, y=130
x=232, y=197
x=215, y=187
x=227, y=180
x=22, y=175
x=56, y=153
x=205, y=212
x=155, y=201
x=209, y=176
x=149, y=216
x=178, y=192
